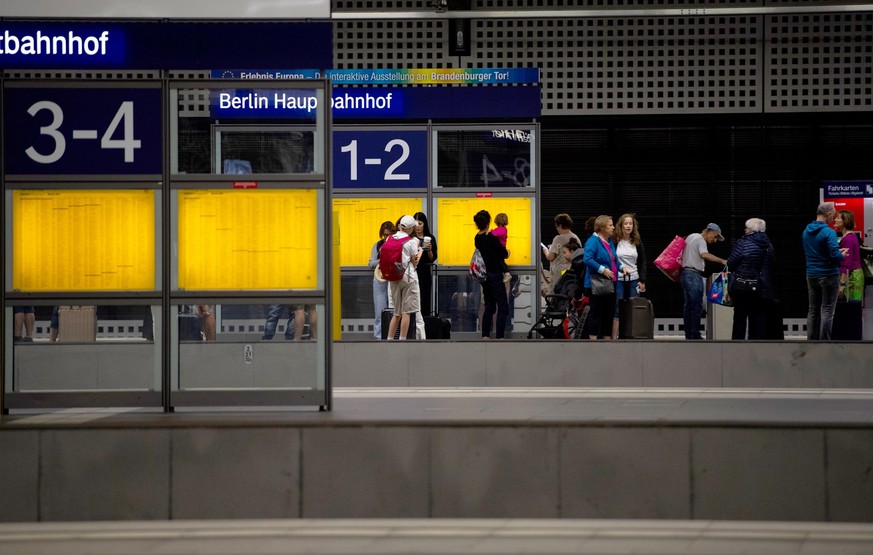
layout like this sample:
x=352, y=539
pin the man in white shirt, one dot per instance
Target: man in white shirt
x=404, y=292
x=694, y=259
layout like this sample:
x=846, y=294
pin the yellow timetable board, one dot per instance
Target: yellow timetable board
x=83, y=240
x=456, y=229
x=248, y=239
x=359, y=221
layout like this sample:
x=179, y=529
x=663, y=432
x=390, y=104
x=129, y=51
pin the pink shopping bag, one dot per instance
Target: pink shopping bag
x=670, y=261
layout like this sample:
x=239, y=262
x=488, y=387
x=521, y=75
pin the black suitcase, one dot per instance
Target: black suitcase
x=437, y=328
x=847, y=322
x=190, y=327
x=636, y=317
x=386, y=321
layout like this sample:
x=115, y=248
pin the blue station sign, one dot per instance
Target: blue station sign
x=83, y=131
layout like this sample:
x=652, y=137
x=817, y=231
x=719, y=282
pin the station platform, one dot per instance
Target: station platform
x=774, y=455
x=433, y=536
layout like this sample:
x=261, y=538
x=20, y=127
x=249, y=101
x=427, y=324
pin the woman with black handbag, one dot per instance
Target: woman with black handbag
x=751, y=285
x=603, y=267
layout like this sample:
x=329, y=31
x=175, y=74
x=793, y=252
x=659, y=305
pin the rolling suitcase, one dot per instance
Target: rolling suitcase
x=847, y=322
x=437, y=328
x=386, y=321
x=636, y=318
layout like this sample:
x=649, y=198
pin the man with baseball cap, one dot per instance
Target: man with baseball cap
x=694, y=259
x=404, y=293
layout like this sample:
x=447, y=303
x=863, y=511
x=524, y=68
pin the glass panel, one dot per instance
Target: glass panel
x=360, y=220
x=245, y=239
x=457, y=230
x=265, y=151
x=460, y=298
x=358, y=305
x=83, y=240
x=270, y=131
x=249, y=346
x=484, y=158
x=85, y=348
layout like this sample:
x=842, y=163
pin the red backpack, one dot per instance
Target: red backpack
x=391, y=258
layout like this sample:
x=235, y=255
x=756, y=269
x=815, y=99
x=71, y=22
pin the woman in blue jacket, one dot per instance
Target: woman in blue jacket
x=751, y=287
x=601, y=263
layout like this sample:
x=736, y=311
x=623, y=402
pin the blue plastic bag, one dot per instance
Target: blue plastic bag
x=718, y=291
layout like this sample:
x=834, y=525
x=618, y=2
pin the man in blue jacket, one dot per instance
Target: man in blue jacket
x=823, y=256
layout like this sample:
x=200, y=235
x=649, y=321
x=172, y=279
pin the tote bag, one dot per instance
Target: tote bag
x=719, y=290
x=670, y=261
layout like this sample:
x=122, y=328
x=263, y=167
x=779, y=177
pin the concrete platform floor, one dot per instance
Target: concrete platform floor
x=480, y=406
x=434, y=536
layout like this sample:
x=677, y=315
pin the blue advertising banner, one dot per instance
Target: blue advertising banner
x=845, y=189
x=366, y=159
x=164, y=45
x=83, y=131
x=384, y=103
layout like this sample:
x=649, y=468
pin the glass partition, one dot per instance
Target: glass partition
x=460, y=299
x=485, y=157
x=250, y=244
x=249, y=350
x=62, y=354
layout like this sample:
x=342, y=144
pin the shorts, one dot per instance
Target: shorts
x=405, y=296
x=23, y=310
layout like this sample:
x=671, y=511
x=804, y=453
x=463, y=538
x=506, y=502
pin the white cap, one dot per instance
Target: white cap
x=407, y=222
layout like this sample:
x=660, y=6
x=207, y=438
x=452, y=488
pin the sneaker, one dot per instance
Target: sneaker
x=27, y=339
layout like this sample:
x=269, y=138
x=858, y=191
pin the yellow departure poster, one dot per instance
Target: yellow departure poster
x=456, y=230
x=248, y=239
x=359, y=221
x=83, y=240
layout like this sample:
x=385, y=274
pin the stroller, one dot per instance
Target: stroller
x=560, y=319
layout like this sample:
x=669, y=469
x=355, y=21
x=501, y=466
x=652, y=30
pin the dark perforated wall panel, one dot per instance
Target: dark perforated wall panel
x=678, y=174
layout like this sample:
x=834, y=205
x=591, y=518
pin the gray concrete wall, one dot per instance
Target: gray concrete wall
x=499, y=471
x=672, y=364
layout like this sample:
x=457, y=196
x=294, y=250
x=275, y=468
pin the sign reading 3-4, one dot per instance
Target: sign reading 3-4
x=82, y=131
x=379, y=159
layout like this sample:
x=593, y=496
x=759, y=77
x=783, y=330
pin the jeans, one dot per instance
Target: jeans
x=274, y=314
x=495, y=297
x=823, y=293
x=692, y=288
x=380, y=303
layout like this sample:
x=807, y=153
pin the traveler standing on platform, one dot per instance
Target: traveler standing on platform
x=602, y=264
x=380, y=286
x=751, y=288
x=632, y=256
x=428, y=243
x=494, y=254
x=404, y=292
x=823, y=259
x=23, y=321
x=851, y=275
x=554, y=253
x=692, y=279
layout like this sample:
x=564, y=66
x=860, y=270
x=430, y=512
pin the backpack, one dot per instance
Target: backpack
x=477, y=267
x=391, y=259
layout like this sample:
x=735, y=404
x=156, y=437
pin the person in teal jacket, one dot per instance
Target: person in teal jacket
x=823, y=257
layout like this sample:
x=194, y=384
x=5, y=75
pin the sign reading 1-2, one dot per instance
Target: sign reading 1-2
x=83, y=131
x=379, y=159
